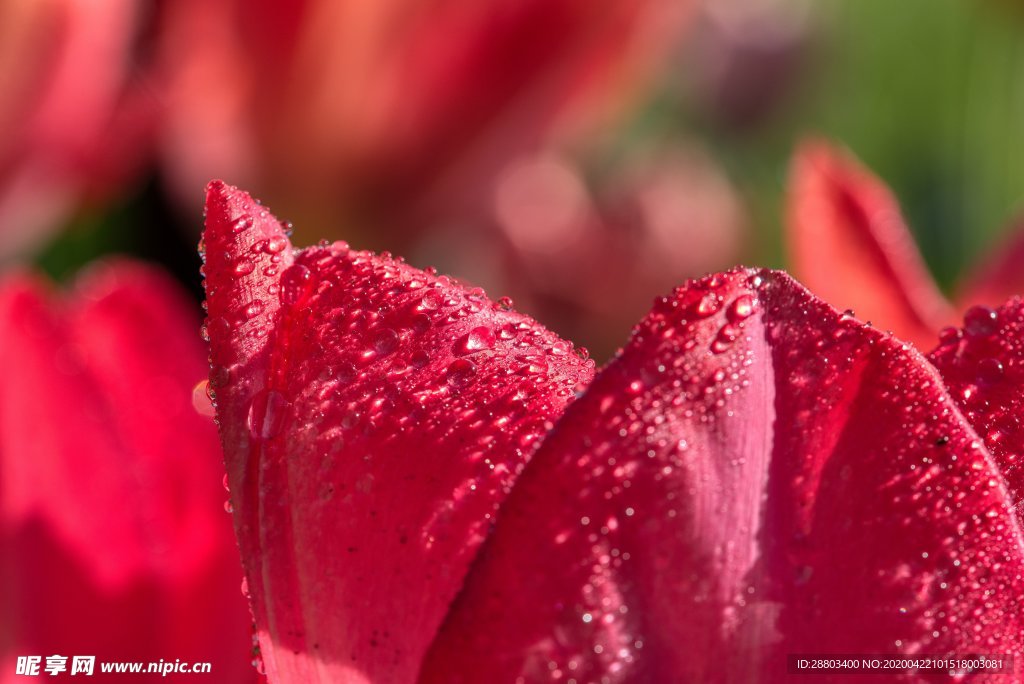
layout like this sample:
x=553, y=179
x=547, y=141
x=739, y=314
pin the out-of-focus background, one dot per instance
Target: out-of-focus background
x=579, y=156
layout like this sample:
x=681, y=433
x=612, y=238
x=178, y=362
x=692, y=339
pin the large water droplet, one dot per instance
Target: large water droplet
x=243, y=266
x=460, y=372
x=275, y=245
x=708, y=305
x=741, y=308
x=297, y=283
x=254, y=309
x=267, y=414
x=385, y=341
x=201, y=400
x=240, y=224
x=480, y=338
x=980, y=321
x=990, y=371
x=431, y=301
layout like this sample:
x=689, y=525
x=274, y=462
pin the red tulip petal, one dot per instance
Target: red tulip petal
x=373, y=417
x=849, y=243
x=114, y=541
x=999, y=275
x=983, y=367
x=756, y=475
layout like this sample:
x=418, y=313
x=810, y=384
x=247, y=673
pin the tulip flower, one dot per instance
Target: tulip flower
x=113, y=538
x=430, y=487
x=592, y=258
x=850, y=244
x=76, y=112
x=339, y=107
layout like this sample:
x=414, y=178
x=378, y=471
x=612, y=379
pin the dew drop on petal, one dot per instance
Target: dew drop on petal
x=990, y=371
x=480, y=338
x=267, y=414
x=201, y=400
x=241, y=224
x=431, y=301
x=741, y=308
x=297, y=283
x=949, y=335
x=385, y=341
x=708, y=305
x=460, y=372
x=275, y=245
x=254, y=309
x=980, y=321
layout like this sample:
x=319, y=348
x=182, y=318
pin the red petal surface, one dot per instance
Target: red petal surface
x=849, y=243
x=983, y=367
x=114, y=540
x=999, y=275
x=756, y=475
x=373, y=416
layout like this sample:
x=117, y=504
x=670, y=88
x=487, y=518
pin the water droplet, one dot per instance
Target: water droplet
x=240, y=224
x=506, y=303
x=741, y=308
x=980, y=321
x=478, y=339
x=344, y=373
x=267, y=414
x=228, y=507
x=708, y=305
x=385, y=341
x=243, y=266
x=297, y=283
x=460, y=372
x=726, y=336
x=255, y=308
x=201, y=400
x=990, y=371
x=949, y=335
x=420, y=322
x=419, y=359
x=275, y=245
x=431, y=301
x=217, y=328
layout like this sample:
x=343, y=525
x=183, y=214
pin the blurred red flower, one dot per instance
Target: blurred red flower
x=754, y=475
x=76, y=113
x=113, y=537
x=592, y=257
x=849, y=243
x=338, y=108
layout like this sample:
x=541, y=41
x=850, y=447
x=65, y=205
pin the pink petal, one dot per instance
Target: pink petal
x=850, y=244
x=756, y=475
x=373, y=417
x=982, y=364
x=113, y=539
x=77, y=108
x=341, y=107
x=998, y=276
